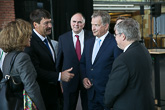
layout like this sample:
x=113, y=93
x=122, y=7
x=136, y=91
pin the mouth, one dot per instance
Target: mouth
x=94, y=32
x=48, y=30
x=76, y=27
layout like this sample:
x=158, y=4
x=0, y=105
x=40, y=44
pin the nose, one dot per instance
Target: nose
x=50, y=25
x=76, y=23
x=93, y=27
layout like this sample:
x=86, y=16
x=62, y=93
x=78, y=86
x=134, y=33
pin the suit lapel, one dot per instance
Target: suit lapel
x=41, y=43
x=91, y=48
x=70, y=41
x=103, y=47
x=49, y=40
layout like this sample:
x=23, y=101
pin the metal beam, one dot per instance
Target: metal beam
x=135, y=3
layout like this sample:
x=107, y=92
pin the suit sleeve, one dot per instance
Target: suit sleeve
x=118, y=77
x=44, y=74
x=59, y=56
x=83, y=65
x=28, y=76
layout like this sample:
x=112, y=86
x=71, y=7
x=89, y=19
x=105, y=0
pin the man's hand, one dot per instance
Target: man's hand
x=87, y=83
x=66, y=76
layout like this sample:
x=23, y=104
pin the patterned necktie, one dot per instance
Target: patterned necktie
x=47, y=45
x=96, y=49
x=78, y=48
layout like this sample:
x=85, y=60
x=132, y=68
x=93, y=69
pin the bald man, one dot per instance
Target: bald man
x=68, y=57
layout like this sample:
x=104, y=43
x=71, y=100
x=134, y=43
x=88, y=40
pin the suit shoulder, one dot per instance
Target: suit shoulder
x=89, y=33
x=23, y=55
x=113, y=39
x=90, y=40
x=65, y=34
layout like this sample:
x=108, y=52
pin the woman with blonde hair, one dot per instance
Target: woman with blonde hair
x=14, y=37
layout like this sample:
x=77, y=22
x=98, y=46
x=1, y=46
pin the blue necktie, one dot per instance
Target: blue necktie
x=47, y=45
x=96, y=49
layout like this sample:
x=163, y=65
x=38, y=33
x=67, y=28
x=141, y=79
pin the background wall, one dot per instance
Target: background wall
x=7, y=12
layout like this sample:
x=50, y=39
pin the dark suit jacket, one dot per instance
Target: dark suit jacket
x=47, y=76
x=98, y=72
x=129, y=84
x=67, y=58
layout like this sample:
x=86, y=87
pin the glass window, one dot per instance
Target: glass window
x=159, y=25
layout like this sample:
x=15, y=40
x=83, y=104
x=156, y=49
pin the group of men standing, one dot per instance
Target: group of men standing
x=84, y=62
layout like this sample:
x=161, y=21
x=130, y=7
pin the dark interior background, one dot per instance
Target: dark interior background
x=61, y=11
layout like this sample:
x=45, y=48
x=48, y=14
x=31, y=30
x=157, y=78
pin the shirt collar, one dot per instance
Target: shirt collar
x=126, y=47
x=40, y=36
x=102, y=37
x=80, y=34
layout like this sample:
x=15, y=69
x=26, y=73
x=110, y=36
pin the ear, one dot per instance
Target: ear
x=35, y=24
x=107, y=26
x=123, y=36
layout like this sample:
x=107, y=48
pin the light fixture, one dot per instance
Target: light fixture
x=113, y=5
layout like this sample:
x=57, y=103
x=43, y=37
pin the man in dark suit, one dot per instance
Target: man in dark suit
x=96, y=66
x=43, y=58
x=68, y=57
x=129, y=84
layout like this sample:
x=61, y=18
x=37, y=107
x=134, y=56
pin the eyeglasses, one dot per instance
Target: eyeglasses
x=117, y=34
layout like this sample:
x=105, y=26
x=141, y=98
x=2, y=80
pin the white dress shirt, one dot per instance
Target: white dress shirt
x=43, y=38
x=81, y=38
x=102, y=40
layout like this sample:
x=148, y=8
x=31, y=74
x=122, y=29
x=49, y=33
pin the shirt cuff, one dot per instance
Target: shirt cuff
x=59, y=77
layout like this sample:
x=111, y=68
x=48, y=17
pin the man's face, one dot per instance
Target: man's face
x=98, y=28
x=119, y=39
x=44, y=28
x=77, y=23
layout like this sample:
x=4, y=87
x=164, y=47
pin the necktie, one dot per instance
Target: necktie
x=96, y=49
x=47, y=45
x=78, y=48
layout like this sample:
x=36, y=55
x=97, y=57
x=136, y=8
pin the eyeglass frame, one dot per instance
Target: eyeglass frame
x=117, y=34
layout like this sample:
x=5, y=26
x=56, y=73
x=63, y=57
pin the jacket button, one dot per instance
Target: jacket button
x=91, y=69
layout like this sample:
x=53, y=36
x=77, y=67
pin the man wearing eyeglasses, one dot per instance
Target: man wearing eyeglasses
x=129, y=85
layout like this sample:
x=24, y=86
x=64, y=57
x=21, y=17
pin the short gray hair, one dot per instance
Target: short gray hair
x=130, y=28
x=105, y=17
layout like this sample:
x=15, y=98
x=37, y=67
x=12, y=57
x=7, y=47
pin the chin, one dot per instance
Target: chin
x=48, y=32
x=119, y=47
x=94, y=34
x=28, y=45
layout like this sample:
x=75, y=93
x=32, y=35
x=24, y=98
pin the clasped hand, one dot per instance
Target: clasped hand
x=87, y=83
